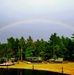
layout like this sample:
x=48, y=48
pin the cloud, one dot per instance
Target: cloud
x=17, y=10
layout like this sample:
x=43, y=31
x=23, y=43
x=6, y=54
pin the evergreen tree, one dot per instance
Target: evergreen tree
x=21, y=47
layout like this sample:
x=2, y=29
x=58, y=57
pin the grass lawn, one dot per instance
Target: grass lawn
x=56, y=67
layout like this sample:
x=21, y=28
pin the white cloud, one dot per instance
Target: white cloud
x=36, y=5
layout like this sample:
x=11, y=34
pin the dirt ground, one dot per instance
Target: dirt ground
x=68, y=68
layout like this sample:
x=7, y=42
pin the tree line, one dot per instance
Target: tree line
x=22, y=48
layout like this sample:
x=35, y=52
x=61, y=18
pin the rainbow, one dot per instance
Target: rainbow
x=36, y=20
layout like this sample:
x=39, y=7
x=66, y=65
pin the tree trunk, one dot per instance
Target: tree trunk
x=21, y=54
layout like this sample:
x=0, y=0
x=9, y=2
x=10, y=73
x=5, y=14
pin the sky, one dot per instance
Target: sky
x=36, y=18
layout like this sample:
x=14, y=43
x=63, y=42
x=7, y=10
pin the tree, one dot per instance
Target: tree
x=55, y=47
x=16, y=47
x=3, y=49
x=10, y=47
x=30, y=47
x=72, y=46
x=21, y=47
x=53, y=43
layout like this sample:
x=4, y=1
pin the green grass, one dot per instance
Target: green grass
x=56, y=67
